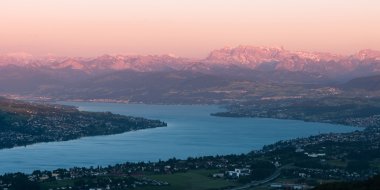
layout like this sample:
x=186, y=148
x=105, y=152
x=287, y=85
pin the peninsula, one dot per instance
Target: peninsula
x=24, y=123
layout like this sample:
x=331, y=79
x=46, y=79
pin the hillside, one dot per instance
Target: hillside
x=370, y=83
x=23, y=123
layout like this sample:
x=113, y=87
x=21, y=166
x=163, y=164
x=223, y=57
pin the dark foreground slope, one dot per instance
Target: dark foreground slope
x=370, y=184
x=23, y=123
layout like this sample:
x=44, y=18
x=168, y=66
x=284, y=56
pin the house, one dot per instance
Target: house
x=289, y=186
x=314, y=155
x=218, y=175
x=299, y=150
x=44, y=177
x=303, y=175
x=55, y=175
x=238, y=172
x=275, y=185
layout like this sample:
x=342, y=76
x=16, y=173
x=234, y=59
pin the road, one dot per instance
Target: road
x=260, y=182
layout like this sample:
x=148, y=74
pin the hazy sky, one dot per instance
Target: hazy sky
x=186, y=27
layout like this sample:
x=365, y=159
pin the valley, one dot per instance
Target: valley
x=340, y=93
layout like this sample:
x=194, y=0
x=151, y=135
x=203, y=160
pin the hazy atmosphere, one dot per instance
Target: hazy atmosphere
x=189, y=28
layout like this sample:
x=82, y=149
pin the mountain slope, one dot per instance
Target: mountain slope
x=371, y=83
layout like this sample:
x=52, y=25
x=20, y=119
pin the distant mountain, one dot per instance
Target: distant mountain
x=371, y=83
x=137, y=77
x=368, y=54
x=364, y=63
x=102, y=63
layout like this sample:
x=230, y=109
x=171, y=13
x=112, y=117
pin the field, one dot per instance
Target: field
x=191, y=180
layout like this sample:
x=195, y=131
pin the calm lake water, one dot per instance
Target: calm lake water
x=191, y=131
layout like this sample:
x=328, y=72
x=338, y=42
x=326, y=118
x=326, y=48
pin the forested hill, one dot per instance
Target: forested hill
x=23, y=123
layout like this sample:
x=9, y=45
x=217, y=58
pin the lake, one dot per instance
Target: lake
x=191, y=131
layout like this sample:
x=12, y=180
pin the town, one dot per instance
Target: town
x=301, y=163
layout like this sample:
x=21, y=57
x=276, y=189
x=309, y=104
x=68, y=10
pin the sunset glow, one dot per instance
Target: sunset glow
x=188, y=28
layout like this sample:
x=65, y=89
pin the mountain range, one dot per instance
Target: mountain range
x=248, y=57
x=141, y=77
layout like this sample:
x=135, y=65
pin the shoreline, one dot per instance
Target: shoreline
x=228, y=153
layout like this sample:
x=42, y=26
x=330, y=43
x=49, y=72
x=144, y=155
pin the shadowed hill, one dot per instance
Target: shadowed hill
x=371, y=83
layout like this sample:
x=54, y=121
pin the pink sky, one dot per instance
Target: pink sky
x=186, y=27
